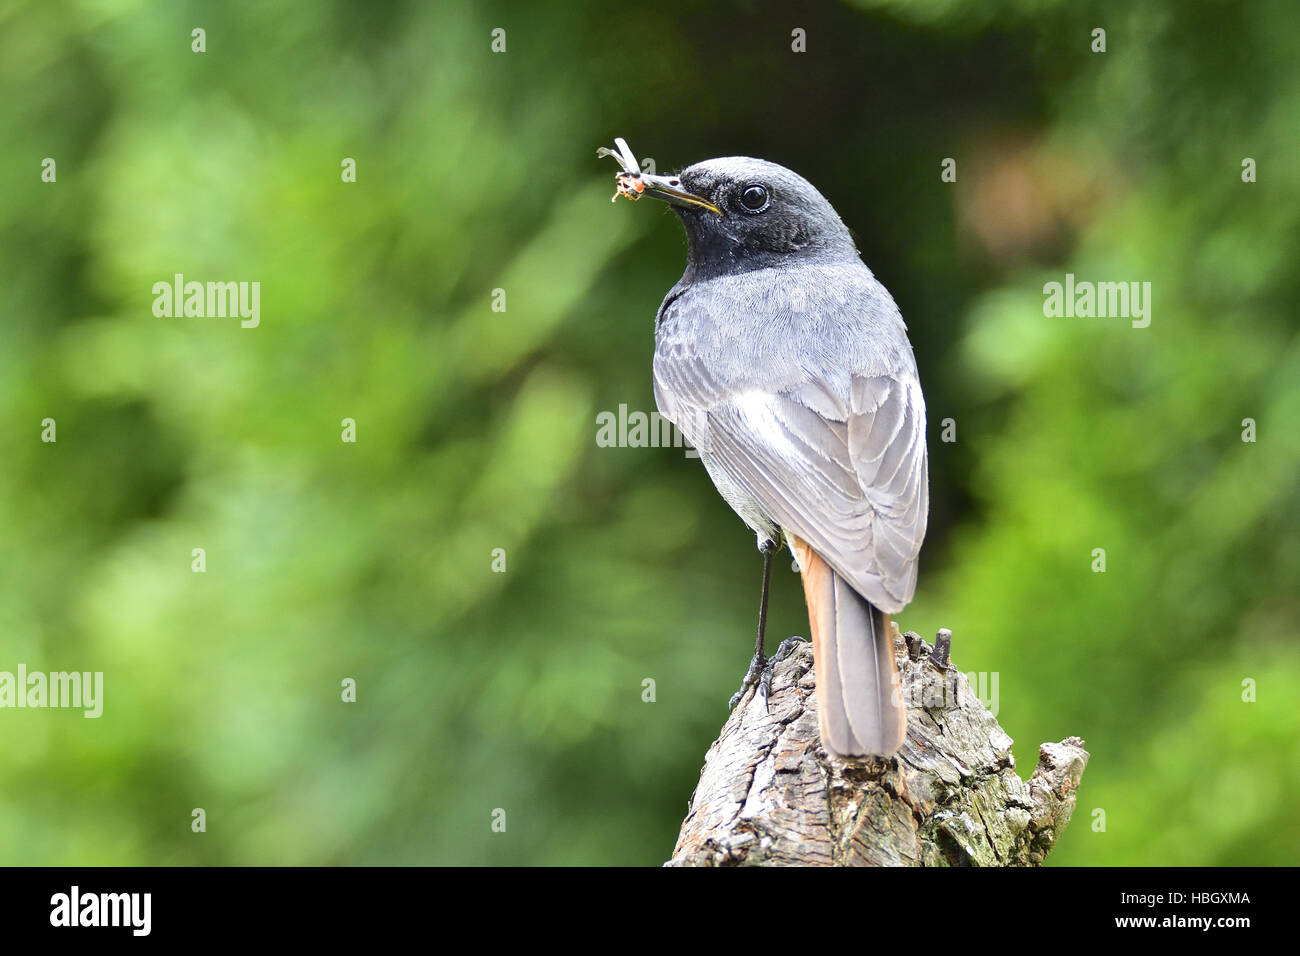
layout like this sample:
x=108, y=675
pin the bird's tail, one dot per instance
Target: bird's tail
x=860, y=706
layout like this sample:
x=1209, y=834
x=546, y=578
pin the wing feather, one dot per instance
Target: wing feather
x=847, y=473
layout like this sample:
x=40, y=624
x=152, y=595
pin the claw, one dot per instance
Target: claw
x=751, y=678
x=760, y=674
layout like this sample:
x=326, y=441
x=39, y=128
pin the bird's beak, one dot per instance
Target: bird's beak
x=669, y=189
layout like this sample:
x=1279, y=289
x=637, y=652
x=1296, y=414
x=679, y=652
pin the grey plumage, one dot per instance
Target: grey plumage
x=786, y=363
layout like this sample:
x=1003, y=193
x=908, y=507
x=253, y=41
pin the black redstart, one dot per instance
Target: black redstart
x=786, y=364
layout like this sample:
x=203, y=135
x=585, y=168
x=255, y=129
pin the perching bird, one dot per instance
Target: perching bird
x=787, y=365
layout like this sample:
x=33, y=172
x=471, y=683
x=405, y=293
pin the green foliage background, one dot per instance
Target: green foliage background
x=476, y=429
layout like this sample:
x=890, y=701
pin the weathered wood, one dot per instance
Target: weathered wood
x=769, y=795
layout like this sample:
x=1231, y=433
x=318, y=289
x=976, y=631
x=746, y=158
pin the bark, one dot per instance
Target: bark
x=769, y=795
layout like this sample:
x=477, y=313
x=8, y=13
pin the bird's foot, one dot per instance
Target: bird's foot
x=760, y=673
x=752, y=677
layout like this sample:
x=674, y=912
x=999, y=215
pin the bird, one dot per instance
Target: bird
x=786, y=364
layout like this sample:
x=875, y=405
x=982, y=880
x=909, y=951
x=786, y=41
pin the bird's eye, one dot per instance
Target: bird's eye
x=754, y=197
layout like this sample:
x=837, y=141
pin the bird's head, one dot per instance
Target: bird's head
x=742, y=213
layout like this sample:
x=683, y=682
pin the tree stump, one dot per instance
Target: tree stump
x=770, y=795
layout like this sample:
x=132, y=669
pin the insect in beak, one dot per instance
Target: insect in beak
x=634, y=184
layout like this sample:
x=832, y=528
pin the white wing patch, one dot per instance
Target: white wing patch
x=759, y=411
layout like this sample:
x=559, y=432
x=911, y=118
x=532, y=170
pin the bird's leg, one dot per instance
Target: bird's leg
x=760, y=668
